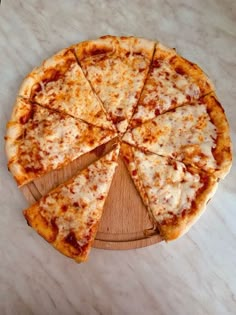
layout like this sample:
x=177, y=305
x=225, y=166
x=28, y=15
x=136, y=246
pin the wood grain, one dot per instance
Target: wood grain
x=125, y=223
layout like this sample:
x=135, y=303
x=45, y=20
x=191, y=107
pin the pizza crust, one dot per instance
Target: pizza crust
x=222, y=152
x=14, y=131
x=113, y=44
x=172, y=81
x=63, y=138
x=68, y=216
x=171, y=231
x=49, y=232
x=98, y=46
x=92, y=109
x=207, y=146
x=181, y=225
x=223, y=149
x=40, y=224
x=59, y=60
x=59, y=84
x=184, y=66
x=174, y=194
x=116, y=68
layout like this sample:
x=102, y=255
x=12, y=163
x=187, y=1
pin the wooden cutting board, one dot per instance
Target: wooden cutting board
x=125, y=223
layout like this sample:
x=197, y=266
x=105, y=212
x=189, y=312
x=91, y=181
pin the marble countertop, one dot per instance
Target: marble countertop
x=193, y=275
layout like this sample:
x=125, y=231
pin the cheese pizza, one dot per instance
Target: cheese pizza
x=59, y=84
x=175, y=194
x=39, y=140
x=197, y=134
x=117, y=68
x=68, y=216
x=160, y=107
x=172, y=81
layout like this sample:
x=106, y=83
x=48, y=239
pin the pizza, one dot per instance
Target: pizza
x=161, y=109
x=59, y=84
x=68, y=216
x=174, y=193
x=196, y=134
x=117, y=68
x=39, y=140
x=172, y=81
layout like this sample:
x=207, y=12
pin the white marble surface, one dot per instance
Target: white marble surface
x=194, y=275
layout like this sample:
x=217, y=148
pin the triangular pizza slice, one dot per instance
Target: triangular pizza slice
x=174, y=194
x=39, y=140
x=172, y=81
x=68, y=216
x=116, y=68
x=196, y=134
x=59, y=84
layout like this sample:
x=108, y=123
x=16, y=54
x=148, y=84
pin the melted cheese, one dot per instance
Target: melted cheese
x=118, y=81
x=77, y=206
x=71, y=93
x=51, y=139
x=170, y=187
x=186, y=134
x=165, y=89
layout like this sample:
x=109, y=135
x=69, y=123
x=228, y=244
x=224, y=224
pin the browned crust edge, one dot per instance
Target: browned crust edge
x=114, y=45
x=173, y=229
x=180, y=224
x=223, y=150
x=14, y=131
x=49, y=231
x=184, y=66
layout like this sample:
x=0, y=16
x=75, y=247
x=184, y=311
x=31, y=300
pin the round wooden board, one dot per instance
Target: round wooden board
x=125, y=223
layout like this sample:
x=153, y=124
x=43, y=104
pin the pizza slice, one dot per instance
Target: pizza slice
x=172, y=81
x=116, y=68
x=196, y=134
x=68, y=216
x=59, y=84
x=39, y=140
x=175, y=194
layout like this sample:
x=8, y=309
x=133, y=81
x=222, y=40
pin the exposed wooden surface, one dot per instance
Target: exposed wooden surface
x=125, y=223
